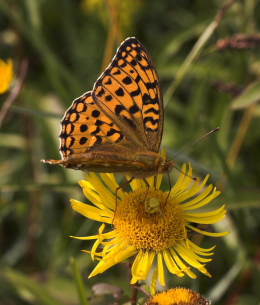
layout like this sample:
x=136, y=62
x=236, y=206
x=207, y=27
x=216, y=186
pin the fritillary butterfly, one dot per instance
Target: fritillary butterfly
x=117, y=127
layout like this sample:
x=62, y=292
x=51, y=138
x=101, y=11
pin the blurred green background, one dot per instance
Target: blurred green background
x=59, y=49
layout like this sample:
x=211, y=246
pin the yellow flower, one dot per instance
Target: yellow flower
x=149, y=224
x=6, y=75
x=125, y=10
x=176, y=296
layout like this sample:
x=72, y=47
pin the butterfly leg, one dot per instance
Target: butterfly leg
x=146, y=204
x=123, y=187
x=154, y=181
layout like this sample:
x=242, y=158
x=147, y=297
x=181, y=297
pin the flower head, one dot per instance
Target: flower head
x=176, y=296
x=6, y=75
x=149, y=224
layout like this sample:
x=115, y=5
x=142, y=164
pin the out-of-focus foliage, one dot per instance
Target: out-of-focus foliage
x=59, y=48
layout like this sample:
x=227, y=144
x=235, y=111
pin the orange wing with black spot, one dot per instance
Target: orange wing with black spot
x=129, y=93
x=118, y=126
x=85, y=127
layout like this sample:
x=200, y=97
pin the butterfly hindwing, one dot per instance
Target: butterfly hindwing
x=84, y=126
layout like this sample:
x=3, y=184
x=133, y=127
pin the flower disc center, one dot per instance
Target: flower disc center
x=152, y=220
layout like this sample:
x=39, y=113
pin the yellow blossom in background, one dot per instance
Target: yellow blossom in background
x=126, y=10
x=149, y=224
x=6, y=75
x=177, y=296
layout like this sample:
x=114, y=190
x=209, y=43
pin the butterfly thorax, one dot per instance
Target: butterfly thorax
x=150, y=164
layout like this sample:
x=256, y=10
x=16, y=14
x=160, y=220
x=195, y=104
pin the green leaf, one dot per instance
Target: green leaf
x=29, y=289
x=79, y=283
x=249, y=96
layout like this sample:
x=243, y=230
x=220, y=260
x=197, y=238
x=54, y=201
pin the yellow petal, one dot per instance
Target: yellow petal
x=160, y=268
x=142, y=264
x=181, y=265
x=91, y=212
x=214, y=234
x=171, y=265
x=154, y=281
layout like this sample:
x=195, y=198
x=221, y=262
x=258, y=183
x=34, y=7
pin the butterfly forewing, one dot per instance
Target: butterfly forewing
x=129, y=93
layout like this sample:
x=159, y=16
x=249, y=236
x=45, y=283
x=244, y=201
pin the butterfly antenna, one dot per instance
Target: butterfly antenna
x=193, y=178
x=168, y=195
x=169, y=190
x=205, y=135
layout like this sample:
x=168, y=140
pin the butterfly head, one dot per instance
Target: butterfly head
x=165, y=165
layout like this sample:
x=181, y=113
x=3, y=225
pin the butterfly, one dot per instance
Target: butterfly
x=117, y=127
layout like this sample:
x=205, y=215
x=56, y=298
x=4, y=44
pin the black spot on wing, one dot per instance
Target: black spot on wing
x=123, y=64
x=108, y=98
x=117, y=72
x=133, y=62
x=83, y=140
x=108, y=82
x=147, y=100
x=138, y=56
x=102, y=91
x=99, y=123
x=112, y=132
x=151, y=120
x=93, y=133
x=134, y=109
x=127, y=80
x=152, y=110
x=138, y=78
x=95, y=113
x=72, y=140
x=135, y=93
x=83, y=128
x=119, y=108
x=151, y=85
x=119, y=92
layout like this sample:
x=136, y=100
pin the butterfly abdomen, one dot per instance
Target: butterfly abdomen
x=141, y=165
